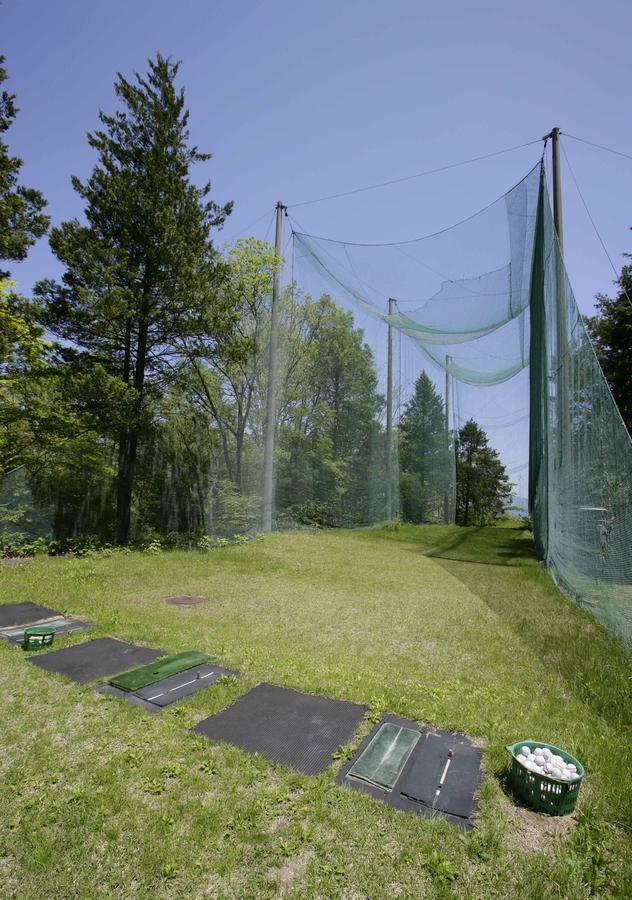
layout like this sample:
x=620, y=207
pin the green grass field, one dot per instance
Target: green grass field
x=459, y=628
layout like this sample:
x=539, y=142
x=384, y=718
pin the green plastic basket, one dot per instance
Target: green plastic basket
x=543, y=793
x=38, y=636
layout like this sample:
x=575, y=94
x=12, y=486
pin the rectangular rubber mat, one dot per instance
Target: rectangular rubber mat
x=298, y=730
x=61, y=625
x=25, y=614
x=457, y=762
x=423, y=777
x=94, y=659
x=157, y=671
x=170, y=690
x=422, y=773
x=385, y=757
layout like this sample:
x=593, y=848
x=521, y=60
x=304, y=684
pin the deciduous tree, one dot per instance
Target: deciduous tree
x=611, y=333
x=482, y=485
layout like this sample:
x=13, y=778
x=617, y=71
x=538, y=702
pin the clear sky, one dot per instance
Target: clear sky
x=300, y=99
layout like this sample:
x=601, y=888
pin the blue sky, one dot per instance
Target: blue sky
x=297, y=99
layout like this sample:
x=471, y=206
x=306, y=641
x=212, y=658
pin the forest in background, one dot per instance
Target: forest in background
x=134, y=390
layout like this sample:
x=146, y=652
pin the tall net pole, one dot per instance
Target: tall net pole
x=389, y=415
x=561, y=340
x=268, y=450
x=448, y=479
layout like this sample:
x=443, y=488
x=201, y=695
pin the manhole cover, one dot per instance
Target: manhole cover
x=186, y=601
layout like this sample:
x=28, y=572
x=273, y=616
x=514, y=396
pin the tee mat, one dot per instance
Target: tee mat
x=145, y=676
x=169, y=690
x=437, y=774
x=61, y=625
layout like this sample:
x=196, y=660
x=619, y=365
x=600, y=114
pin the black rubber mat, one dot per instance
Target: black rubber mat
x=95, y=659
x=170, y=690
x=422, y=774
x=461, y=777
x=298, y=730
x=61, y=625
x=24, y=614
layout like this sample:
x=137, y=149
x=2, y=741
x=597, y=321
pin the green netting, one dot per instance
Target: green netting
x=481, y=325
x=488, y=322
x=581, y=453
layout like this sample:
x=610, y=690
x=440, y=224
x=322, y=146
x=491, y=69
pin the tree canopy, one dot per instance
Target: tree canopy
x=424, y=454
x=22, y=221
x=142, y=278
x=611, y=333
x=483, y=488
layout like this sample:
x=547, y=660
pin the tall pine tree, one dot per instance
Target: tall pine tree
x=140, y=289
x=21, y=218
x=424, y=454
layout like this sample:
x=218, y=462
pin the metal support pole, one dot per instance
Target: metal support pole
x=389, y=415
x=448, y=479
x=561, y=316
x=557, y=188
x=268, y=450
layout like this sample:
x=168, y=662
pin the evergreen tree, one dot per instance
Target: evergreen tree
x=611, y=333
x=424, y=454
x=482, y=485
x=21, y=217
x=142, y=276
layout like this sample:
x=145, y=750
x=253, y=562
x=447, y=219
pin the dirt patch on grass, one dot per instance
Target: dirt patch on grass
x=533, y=832
x=292, y=868
x=279, y=824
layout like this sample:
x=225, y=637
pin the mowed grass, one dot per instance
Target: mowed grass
x=458, y=628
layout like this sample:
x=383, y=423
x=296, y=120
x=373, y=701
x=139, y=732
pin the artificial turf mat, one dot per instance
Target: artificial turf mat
x=385, y=757
x=172, y=689
x=298, y=730
x=26, y=613
x=94, y=659
x=157, y=671
x=61, y=625
x=422, y=773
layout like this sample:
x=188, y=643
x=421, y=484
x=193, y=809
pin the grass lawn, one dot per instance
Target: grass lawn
x=459, y=628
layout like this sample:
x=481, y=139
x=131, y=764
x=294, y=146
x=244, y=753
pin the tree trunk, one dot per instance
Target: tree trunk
x=128, y=446
x=239, y=447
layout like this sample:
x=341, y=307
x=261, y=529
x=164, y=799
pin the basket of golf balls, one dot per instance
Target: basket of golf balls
x=544, y=777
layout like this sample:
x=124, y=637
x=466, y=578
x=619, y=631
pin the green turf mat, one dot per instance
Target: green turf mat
x=156, y=671
x=386, y=755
